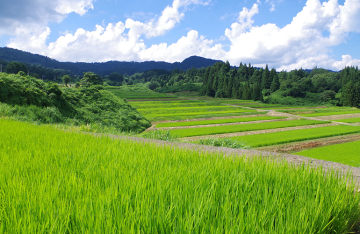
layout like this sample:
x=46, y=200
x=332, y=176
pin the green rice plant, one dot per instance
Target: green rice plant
x=331, y=113
x=275, y=138
x=242, y=127
x=167, y=101
x=183, y=110
x=147, y=105
x=138, y=95
x=216, y=121
x=223, y=142
x=203, y=113
x=346, y=153
x=164, y=135
x=319, y=110
x=351, y=120
x=64, y=182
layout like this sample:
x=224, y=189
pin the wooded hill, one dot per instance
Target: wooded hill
x=34, y=60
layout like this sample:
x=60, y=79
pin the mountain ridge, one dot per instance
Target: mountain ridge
x=102, y=68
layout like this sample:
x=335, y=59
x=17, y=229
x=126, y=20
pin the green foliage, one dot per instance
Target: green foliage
x=60, y=182
x=66, y=79
x=89, y=79
x=15, y=68
x=346, y=153
x=164, y=135
x=223, y=142
x=242, y=127
x=27, y=98
x=351, y=94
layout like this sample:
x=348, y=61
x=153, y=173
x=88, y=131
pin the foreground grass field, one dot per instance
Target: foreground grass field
x=274, y=138
x=346, y=153
x=57, y=182
x=241, y=127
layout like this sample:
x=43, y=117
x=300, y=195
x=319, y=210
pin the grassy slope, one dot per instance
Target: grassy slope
x=274, y=138
x=346, y=153
x=241, y=128
x=27, y=98
x=57, y=182
x=216, y=121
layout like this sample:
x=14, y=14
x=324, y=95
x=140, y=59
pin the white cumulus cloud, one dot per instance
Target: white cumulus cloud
x=300, y=43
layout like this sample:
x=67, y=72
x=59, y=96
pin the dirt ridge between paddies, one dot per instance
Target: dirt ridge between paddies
x=290, y=158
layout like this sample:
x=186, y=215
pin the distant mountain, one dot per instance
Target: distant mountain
x=106, y=68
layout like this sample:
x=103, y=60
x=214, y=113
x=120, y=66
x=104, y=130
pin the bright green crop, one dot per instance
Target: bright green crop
x=241, y=127
x=57, y=182
x=274, y=138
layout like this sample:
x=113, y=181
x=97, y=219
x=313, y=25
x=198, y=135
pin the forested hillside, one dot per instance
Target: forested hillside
x=295, y=87
x=106, y=68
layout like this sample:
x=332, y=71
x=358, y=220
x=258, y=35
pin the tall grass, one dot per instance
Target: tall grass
x=57, y=182
x=164, y=135
x=223, y=142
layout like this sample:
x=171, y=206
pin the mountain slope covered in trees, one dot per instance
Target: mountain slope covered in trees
x=106, y=68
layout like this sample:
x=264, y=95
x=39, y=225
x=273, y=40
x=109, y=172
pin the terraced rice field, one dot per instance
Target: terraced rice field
x=216, y=121
x=189, y=110
x=346, y=153
x=274, y=138
x=139, y=95
x=242, y=127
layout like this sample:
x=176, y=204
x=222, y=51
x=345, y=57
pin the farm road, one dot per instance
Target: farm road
x=290, y=158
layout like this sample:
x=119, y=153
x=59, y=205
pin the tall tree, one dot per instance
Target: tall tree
x=266, y=80
x=275, y=84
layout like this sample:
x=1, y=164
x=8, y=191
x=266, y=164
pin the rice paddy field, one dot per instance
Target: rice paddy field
x=53, y=181
x=322, y=111
x=274, y=138
x=189, y=115
x=216, y=121
x=351, y=120
x=242, y=127
x=139, y=95
x=346, y=153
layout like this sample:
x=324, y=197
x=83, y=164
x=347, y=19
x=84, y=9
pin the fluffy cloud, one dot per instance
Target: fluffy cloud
x=183, y=48
x=298, y=44
x=37, y=14
x=120, y=41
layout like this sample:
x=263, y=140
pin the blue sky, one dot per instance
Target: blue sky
x=286, y=34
